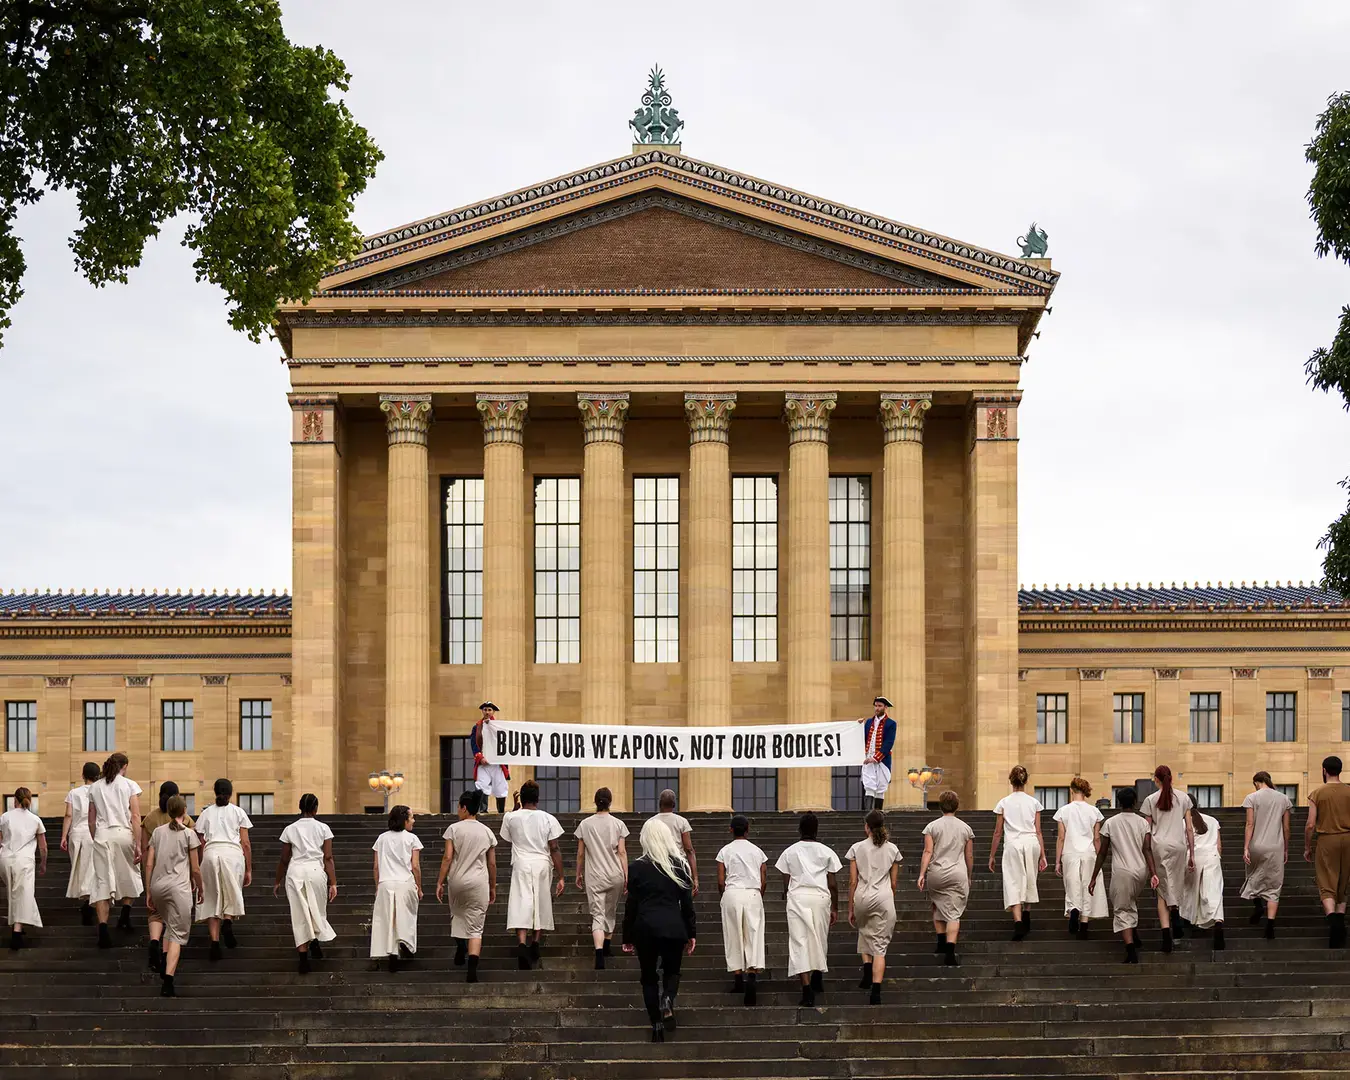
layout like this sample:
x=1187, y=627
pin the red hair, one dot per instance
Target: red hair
x=1163, y=775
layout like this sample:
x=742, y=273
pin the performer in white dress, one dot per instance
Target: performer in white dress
x=1126, y=838
x=23, y=854
x=874, y=864
x=809, y=869
x=1076, y=853
x=1265, y=849
x=602, y=870
x=742, y=876
x=307, y=869
x=1202, y=898
x=1169, y=813
x=115, y=833
x=227, y=866
x=76, y=843
x=1017, y=820
x=489, y=779
x=536, y=860
x=469, y=869
x=398, y=889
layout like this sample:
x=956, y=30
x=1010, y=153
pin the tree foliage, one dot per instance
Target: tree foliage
x=147, y=109
x=1328, y=368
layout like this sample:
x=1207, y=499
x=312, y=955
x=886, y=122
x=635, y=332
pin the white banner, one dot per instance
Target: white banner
x=763, y=746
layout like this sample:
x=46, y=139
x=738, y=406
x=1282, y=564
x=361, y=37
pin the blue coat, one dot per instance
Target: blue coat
x=478, y=751
x=887, y=739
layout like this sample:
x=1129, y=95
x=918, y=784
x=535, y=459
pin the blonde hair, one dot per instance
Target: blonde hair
x=660, y=849
x=177, y=807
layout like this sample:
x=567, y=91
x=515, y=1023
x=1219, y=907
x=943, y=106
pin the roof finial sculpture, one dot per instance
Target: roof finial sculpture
x=1035, y=244
x=655, y=121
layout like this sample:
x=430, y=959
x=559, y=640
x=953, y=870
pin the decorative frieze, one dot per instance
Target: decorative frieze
x=1021, y=674
x=709, y=416
x=503, y=417
x=1167, y=673
x=215, y=680
x=996, y=424
x=285, y=680
x=902, y=416
x=993, y=416
x=313, y=417
x=807, y=413
x=407, y=418
x=134, y=681
x=1091, y=674
x=1319, y=673
x=602, y=416
x=57, y=682
x=311, y=426
x=1244, y=673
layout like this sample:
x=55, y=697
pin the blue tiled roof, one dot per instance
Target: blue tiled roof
x=1243, y=597
x=71, y=604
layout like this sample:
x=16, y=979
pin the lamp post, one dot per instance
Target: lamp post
x=923, y=777
x=384, y=781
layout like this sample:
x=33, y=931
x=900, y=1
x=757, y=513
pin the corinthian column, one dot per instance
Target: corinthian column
x=902, y=571
x=708, y=669
x=506, y=631
x=808, y=586
x=407, y=664
x=604, y=644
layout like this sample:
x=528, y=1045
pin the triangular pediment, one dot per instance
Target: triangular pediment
x=656, y=221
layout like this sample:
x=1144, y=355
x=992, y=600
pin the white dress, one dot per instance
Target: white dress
x=115, y=874
x=1202, y=899
x=307, y=880
x=530, y=906
x=19, y=830
x=808, y=864
x=222, y=861
x=1078, y=858
x=1021, y=850
x=394, y=920
x=742, y=906
x=81, y=849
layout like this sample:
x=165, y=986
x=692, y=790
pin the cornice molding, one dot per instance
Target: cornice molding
x=154, y=626
x=653, y=358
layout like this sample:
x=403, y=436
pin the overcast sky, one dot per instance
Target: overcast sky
x=1166, y=431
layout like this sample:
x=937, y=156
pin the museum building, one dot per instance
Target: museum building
x=657, y=442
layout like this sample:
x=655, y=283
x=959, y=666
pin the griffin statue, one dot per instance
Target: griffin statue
x=1035, y=243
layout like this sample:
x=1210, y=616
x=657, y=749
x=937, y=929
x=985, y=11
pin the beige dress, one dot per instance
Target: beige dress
x=171, y=881
x=604, y=869
x=1169, y=845
x=467, y=882
x=1129, y=869
x=947, y=880
x=1265, y=873
x=873, y=898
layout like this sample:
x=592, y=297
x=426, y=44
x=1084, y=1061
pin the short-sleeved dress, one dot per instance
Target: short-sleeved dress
x=604, y=869
x=171, y=880
x=808, y=865
x=19, y=830
x=223, y=863
x=873, y=898
x=947, y=880
x=115, y=874
x=1129, y=869
x=1265, y=873
x=1170, y=855
x=467, y=881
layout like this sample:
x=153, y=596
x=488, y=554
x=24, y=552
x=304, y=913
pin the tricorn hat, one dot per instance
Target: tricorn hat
x=488, y=705
x=882, y=701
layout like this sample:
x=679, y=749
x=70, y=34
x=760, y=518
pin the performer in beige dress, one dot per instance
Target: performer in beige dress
x=1265, y=849
x=1017, y=816
x=307, y=869
x=174, y=879
x=1126, y=839
x=75, y=841
x=874, y=864
x=1075, y=853
x=469, y=871
x=809, y=868
x=227, y=866
x=602, y=870
x=945, y=873
x=1169, y=814
x=398, y=889
x=23, y=859
x=1202, y=897
x=115, y=834
x=154, y=921
x=666, y=804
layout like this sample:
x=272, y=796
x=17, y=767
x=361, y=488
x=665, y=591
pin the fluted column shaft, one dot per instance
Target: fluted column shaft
x=407, y=675
x=808, y=587
x=506, y=592
x=903, y=639
x=604, y=641
x=708, y=588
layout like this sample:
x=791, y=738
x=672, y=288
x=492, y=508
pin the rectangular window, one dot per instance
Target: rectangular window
x=846, y=791
x=754, y=790
x=1281, y=712
x=463, y=598
x=648, y=785
x=1052, y=718
x=255, y=803
x=32, y=806
x=656, y=569
x=100, y=726
x=21, y=727
x=754, y=568
x=1206, y=796
x=191, y=801
x=1115, y=793
x=1345, y=716
x=851, y=567
x=1289, y=791
x=1052, y=798
x=559, y=788
x=1204, y=718
x=458, y=773
x=557, y=571
x=1129, y=715
x=175, y=725
x=255, y=724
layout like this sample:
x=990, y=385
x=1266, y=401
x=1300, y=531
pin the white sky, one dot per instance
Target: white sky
x=1166, y=429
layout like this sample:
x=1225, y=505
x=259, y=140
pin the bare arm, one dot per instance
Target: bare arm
x=447, y=858
x=998, y=835
x=1096, y=836
x=417, y=871
x=970, y=859
x=377, y=869
x=1247, y=835
x=248, y=857
x=623, y=861
x=492, y=875
x=721, y=878
x=285, y=861
x=1040, y=842
x=1102, y=851
x=556, y=852
x=1190, y=841
x=195, y=873
x=42, y=853
x=581, y=863
x=1059, y=846
x=65, y=829
x=687, y=842
x=1310, y=830
x=1285, y=826
x=93, y=818
x=923, y=862
x=136, y=827
x=149, y=870
x=833, y=880
x=1148, y=860
x=330, y=868
x=852, y=887
x=763, y=878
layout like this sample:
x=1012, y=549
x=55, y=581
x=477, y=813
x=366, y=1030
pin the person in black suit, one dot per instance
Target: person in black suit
x=658, y=921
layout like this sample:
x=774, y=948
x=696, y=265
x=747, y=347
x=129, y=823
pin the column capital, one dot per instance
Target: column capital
x=902, y=415
x=709, y=416
x=993, y=415
x=407, y=418
x=807, y=413
x=503, y=417
x=602, y=415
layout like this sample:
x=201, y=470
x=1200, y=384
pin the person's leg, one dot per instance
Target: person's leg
x=671, y=959
x=648, y=955
x=172, y=951
x=865, y=979
x=155, y=948
x=953, y=931
x=124, y=916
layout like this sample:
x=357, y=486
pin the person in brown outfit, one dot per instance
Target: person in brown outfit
x=1329, y=819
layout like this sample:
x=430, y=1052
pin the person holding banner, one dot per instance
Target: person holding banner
x=809, y=868
x=683, y=831
x=489, y=779
x=600, y=849
x=742, y=877
x=535, y=856
x=878, y=738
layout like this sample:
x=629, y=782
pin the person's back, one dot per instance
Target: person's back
x=658, y=901
x=1333, y=808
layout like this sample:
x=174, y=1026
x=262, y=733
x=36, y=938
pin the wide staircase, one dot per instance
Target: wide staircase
x=1048, y=1006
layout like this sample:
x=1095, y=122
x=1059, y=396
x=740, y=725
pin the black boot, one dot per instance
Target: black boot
x=658, y=1033
x=405, y=953
x=878, y=804
x=534, y=953
x=156, y=951
x=501, y=804
x=473, y=970
x=227, y=934
x=1218, y=937
x=461, y=951
x=523, y=956
x=738, y=983
x=808, y=1000
x=304, y=963
x=1083, y=929
x=1270, y=929
x=166, y=987
x=1075, y=921
x=599, y=959
x=818, y=983
x=607, y=950
x=1178, y=924
x=750, y=988
x=16, y=940
x=941, y=944
x=951, y=959
x=1167, y=939
x=668, y=1020
x=1020, y=929
x=124, y=918
x=1131, y=953
x=104, y=937
x=875, y=997
x=1336, y=929
x=315, y=950
x=865, y=983
x=1026, y=919
x=1258, y=911
x=215, y=953
x=86, y=914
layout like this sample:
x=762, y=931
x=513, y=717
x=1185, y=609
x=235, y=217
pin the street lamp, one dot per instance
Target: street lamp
x=384, y=781
x=922, y=778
